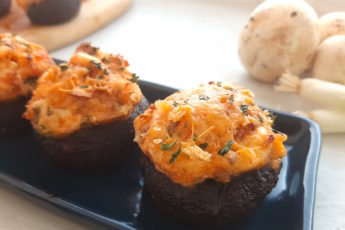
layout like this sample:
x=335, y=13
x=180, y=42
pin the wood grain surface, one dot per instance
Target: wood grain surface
x=93, y=15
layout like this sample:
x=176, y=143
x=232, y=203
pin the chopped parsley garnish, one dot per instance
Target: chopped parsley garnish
x=231, y=98
x=219, y=83
x=166, y=147
x=195, y=137
x=134, y=78
x=244, y=109
x=226, y=148
x=24, y=44
x=37, y=112
x=105, y=60
x=261, y=118
x=272, y=116
x=86, y=121
x=175, y=104
x=98, y=65
x=63, y=67
x=49, y=111
x=122, y=69
x=94, y=50
x=30, y=81
x=175, y=155
x=203, y=97
x=106, y=71
x=100, y=77
x=203, y=146
x=83, y=86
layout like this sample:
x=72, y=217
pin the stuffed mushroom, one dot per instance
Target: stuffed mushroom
x=210, y=154
x=82, y=111
x=21, y=64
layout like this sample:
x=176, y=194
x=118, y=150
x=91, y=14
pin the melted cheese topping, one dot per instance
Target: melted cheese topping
x=214, y=131
x=93, y=88
x=21, y=63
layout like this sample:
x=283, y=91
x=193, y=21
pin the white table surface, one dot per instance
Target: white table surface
x=182, y=43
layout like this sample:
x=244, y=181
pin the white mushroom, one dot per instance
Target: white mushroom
x=332, y=24
x=329, y=64
x=280, y=35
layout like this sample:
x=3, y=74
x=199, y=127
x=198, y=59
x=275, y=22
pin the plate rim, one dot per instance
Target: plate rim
x=309, y=182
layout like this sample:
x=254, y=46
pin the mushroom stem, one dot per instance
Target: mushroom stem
x=313, y=89
x=330, y=121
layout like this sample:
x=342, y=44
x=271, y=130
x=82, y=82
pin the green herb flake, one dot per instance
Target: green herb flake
x=37, y=112
x=122, y=69
x=166, y=147
x=86, y=121
x=98, y=65
x=203, y=146
x=203, y=97
x=219, y=83
x=83, y=86
x=195, y=137
x=94, y=50
x=244, y=109
x=31, y=81
x=24, y=44
x=272, y=116
x=261, y=119
x=63, y=67
x=100, y=77
x=49, y=111
x=231, y=98
x=175, y=104
x=106, y=71
x=105, y=60
x=226, y=148
x=175, y=155
x=134, y=78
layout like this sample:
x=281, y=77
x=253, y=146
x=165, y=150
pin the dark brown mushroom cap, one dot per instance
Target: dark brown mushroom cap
x=209, y=202
x=48, y=12
x=5, y=6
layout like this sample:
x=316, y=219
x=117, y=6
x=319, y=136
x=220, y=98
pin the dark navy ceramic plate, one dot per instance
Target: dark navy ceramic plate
x=115, y=198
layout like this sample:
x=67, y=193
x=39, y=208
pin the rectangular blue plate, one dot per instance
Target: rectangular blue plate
x=115, y=199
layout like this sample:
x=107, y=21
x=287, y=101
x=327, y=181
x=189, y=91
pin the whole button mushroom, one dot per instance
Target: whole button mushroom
x=47, y=12
x=5, y=6
x=332, y=24
x=280, y=36
x=329, y=64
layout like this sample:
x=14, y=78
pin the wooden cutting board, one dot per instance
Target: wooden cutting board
x=93, y=15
